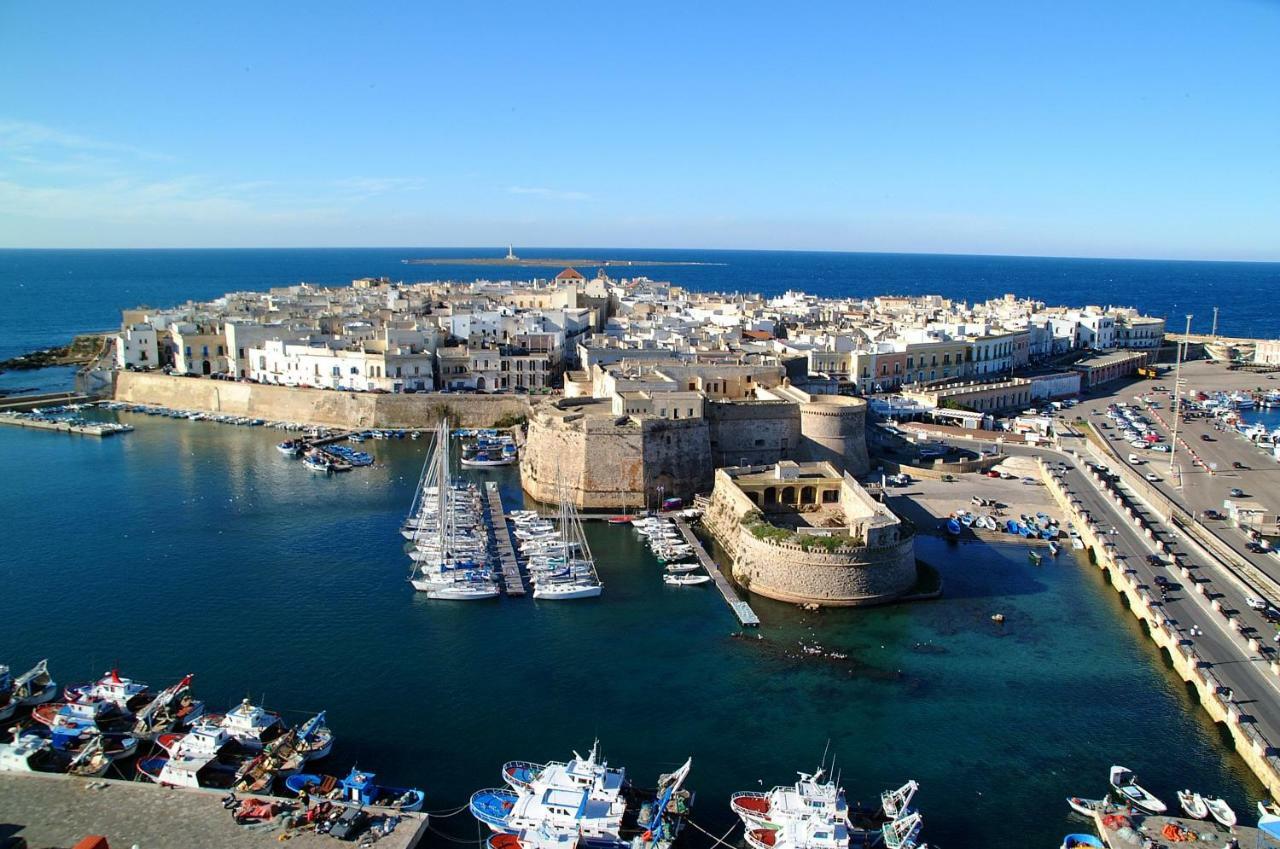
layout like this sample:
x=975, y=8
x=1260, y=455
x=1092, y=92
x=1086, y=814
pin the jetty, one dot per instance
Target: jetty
x=82, y=428
x=746, y=616
x=508, y=563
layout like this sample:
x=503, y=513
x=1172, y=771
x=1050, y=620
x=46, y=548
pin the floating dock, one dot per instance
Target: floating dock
x=510, y=565
x=740, y=608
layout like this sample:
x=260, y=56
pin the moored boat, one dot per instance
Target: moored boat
x=125, y=693
x=34, y=687
x=358, y=787
x=1192, y=804
x=1077, y=841
x=685, y=580
x=1126, y=784
x=1220, y=811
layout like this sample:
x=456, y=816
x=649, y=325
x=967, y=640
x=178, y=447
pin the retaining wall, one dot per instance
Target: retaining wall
x=315, y=406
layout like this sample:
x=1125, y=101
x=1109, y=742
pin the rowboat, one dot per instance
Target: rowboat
x=1221, y=811
x=1193, y=804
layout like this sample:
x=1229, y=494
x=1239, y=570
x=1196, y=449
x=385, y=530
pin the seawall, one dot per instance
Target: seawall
x=1247, y=739
x=316, y=406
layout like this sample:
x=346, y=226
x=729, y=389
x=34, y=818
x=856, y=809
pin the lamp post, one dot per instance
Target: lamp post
x=1177, y=397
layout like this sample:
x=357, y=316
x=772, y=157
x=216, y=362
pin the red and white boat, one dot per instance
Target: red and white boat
x=810, y=797
x=125, y=693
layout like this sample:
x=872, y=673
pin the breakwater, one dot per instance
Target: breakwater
x=355, y=410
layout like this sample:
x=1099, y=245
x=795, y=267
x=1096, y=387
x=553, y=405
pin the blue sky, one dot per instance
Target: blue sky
x=1086, y=128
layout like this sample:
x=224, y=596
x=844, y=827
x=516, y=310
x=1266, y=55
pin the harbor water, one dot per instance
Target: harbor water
x=197, y=547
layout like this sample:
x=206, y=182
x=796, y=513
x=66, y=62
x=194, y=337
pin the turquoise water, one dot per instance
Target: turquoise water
x=193, y=546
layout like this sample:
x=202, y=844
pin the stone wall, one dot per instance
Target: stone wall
x=846, y=577
x=315, y=406
x=610, y=462
x=761, y=432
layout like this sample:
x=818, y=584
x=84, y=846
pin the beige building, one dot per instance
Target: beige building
x=1014, y=393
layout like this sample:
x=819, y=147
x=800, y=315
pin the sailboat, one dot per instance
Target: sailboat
x=449, y=561
x=570, y=572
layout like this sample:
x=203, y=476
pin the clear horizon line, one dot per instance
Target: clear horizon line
x=592, y=248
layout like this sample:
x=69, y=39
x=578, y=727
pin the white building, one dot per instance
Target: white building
x=137, y=347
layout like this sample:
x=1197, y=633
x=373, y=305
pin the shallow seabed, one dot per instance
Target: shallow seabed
x=197, y=547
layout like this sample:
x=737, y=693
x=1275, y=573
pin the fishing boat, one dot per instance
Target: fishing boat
x=29, y=753
x=809, y=797
x=1054, y=549
x=1086, y=807
x=485, y=459
x=1192, y=804
x=1220, y=811
x=953, y=527
x=34, y=687
x=81, y=720
x=248, y=724
x=125, y=693
x=903, y=832
x=358, y=787
x=317, y=462
x=314, y=739
x=173, y=709
x=685, y=580
x=1075, y=841
x=291, y=447
x=533, y=839
x=1034, y=558
x=1126, y=784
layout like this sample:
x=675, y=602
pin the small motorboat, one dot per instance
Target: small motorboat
x=685, y=580
x=1053, y=549
x=620, y=520
x=291, y=447
x=1086, y=807
x=953, y=527
x=1034, y=558
x=1221, y=811
x=1193, y=804
x=681, y=568
x=1126, y=784
x=358, y=787
x=1071, y=841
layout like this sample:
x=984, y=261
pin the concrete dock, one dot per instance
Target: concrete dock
x=503, y=545
x=746, y=616
x=80, y=428
x=1124, y=830
x=55, y=810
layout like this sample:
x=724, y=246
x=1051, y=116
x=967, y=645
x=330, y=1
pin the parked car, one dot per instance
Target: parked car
x=1152, y=476
x=1213, y=514
x=1204, y=437
x=1237, y=492
x=1154, y=560
x=1255, y=603
x=1236, y=464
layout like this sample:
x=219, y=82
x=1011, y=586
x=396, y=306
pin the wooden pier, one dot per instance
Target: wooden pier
x=510, y=566
x=740, y=608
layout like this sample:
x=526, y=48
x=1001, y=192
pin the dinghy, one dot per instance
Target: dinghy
x=685, y=580
x=1192, y=804
x=1221, y=811
x=1086, y=807
x=1072, y=841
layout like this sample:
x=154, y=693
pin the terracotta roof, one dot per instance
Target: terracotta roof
x=762, y=335
x=570, y=274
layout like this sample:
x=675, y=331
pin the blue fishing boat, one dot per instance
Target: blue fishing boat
x=492, y=806
x=358, y=787
x=1011, y=527
x=1075, y=841
x=953, y=527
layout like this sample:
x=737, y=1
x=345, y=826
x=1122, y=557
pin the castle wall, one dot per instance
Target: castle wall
x=761, y=432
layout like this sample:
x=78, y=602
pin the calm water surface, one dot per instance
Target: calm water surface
x=193, y=546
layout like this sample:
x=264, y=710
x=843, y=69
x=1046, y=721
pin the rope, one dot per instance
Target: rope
x=719, y=841
x=443, y=814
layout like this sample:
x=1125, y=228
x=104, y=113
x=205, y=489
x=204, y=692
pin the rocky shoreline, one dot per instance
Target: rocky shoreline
x=80, y=350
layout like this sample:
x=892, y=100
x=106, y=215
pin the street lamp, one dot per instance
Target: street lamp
x=1177, y=397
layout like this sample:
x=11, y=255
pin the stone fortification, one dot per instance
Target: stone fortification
x=611, y=462
x=833, y=429
x=794, y=569
x=316, y=406
x=752, y=433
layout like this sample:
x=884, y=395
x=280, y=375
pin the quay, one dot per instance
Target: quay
x=55, y=810
x=24, y=403
x=746, y=616
x=1127, y=829
x=81, y=428
x=510, y=565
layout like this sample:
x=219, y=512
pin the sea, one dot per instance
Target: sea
x=50, y=295
x=197, y=547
